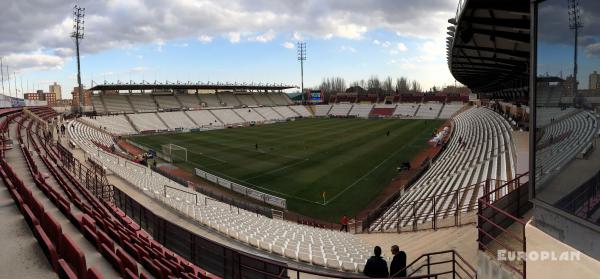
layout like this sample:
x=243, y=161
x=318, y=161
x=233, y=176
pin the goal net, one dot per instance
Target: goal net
x=176, y=152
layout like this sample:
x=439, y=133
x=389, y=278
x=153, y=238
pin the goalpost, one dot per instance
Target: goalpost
x=176, y=152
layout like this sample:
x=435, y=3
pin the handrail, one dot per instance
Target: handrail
x=489, y=228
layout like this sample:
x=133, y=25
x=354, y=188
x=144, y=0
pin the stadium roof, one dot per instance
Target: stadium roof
x=192, y=86
x=488, y=47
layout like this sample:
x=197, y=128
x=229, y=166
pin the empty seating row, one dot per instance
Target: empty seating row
x=227, y=116
x=190, y=101
x=480, y=148
x=249, y=115
x=168, y=102
x=361, y=110
x=247, y=100
x=142, y=103
x=204, y=118
x=340, y=109
x=429, y=110
x=117, y=104
x=269, y=114
x=287, y=112
x=450, y=109
x=561, y=142
x=302, y=111
x=322, y=110
x=114, y=124
x=263, y=99
x=177, y=120
x=210, y=100
x=406, y=109
x=228, y=99
x=98, y=105
x=147, y=122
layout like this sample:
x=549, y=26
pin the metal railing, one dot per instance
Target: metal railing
x=499, y=223
x=443, y=210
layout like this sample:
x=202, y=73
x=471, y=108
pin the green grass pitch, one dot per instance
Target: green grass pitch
x=351, y=160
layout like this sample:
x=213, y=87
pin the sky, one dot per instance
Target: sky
x=225, y=41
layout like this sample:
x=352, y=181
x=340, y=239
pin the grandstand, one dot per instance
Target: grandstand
x=480, y=149
x=336, y=250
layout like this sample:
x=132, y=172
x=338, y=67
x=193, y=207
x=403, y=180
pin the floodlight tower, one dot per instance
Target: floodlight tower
x=2, y=75
x=302, y=58
x=575, y=24
x=78, y=21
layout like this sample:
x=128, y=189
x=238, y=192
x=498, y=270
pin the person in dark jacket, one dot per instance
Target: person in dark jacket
x=376, y=266
x=398, y=262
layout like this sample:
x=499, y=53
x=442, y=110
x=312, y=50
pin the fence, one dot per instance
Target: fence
x=248, y=192
x=93, y=179
x=499, y=223
x=217, y=196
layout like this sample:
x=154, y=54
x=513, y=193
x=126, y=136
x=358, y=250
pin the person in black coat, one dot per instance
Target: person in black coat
x=398, y=262
x=376, y=266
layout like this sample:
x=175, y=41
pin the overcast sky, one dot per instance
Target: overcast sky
x=233, y=40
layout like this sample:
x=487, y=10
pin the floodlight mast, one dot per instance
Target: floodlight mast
x=302, y=58
x=575, y=24
x=78, y=31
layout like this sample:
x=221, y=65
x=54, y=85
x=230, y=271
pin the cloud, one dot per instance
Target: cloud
x=593, y=50
x=288, y=45
x=205, y=39
x=263, y=38
x=33, y=61
x=348, y=49
x=376, y=42
x=401, y=47
x=297, y=36
x=234, y=37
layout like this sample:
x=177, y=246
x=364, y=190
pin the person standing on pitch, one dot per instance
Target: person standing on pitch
x=398, y=262
x=344, y=222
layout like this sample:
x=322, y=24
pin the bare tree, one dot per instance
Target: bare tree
x=402, y=85
x=333, y=85
x=373, y=83
x=388, y=85
x=415, y=86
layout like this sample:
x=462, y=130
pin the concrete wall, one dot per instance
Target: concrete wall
x=563, y=228
x=489, y=267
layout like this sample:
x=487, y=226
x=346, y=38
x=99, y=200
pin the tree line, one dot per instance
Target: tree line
x=333, y=85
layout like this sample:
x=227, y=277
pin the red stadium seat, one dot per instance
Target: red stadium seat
x=92, y=273
x=110, y=255
x=128, y=262
x=73, y=256
x=47, y=245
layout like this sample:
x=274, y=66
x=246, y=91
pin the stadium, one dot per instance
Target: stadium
x=243, y=180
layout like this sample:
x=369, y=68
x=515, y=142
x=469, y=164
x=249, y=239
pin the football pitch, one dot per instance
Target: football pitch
x=351, y=160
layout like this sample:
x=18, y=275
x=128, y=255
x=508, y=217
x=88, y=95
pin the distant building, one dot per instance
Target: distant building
x=57, y=90
x=50, y=98
x=87, y=97
x=594, y=81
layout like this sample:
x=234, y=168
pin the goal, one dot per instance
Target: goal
x=176, y=152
